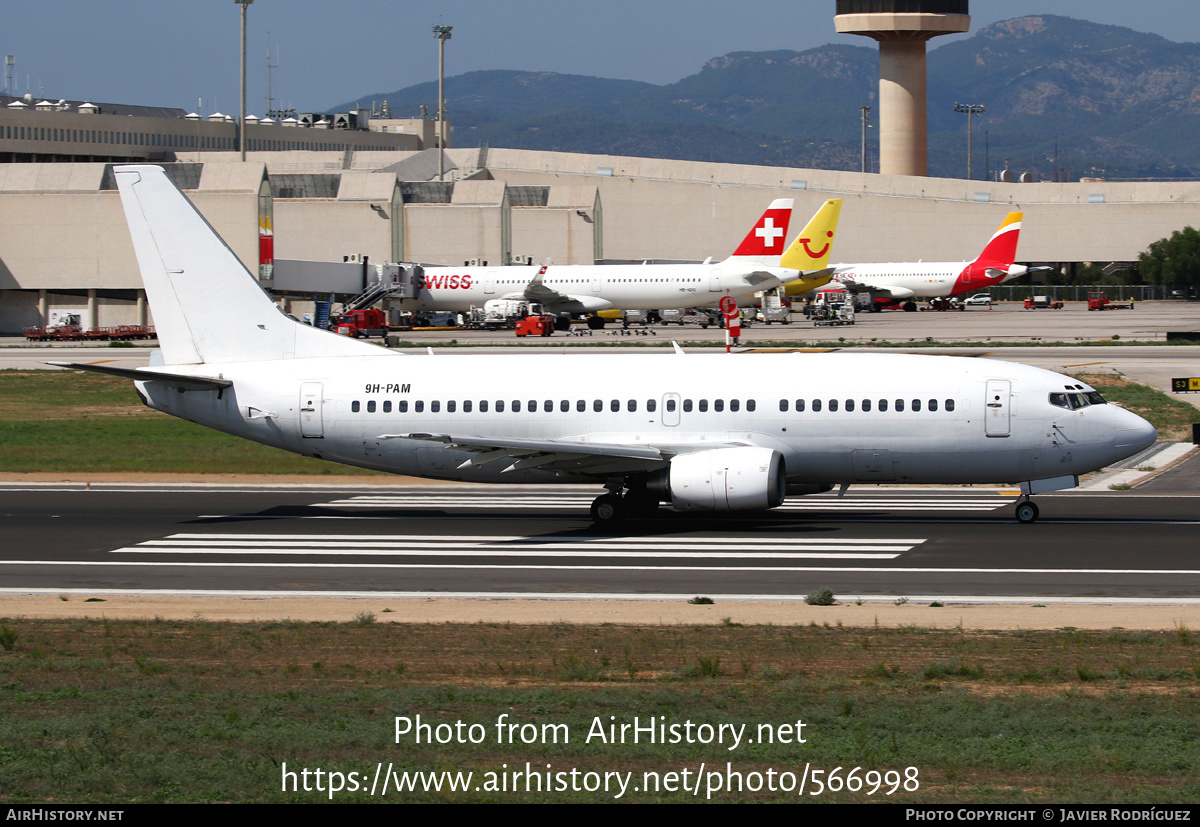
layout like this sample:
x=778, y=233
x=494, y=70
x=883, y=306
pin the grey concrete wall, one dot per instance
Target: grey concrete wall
x=327, y=230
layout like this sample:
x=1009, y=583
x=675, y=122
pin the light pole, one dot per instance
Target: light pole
x=866, y=117
x=970, y=110
x=442, y=33
x=242, y=117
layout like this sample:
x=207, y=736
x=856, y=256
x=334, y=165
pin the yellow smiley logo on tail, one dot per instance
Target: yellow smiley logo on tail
x=801, y=255
x=822, y=253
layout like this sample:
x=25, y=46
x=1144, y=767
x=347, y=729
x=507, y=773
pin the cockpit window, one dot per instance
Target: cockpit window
x=1075, y=401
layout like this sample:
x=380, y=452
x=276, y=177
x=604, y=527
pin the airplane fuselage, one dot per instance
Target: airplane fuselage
x=856, y=418
x=590, y=288
x=909, y=280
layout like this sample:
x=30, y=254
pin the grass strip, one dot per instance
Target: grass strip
x=98, y=711
x=72, y=422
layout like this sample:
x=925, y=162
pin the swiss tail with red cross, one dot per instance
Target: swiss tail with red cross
x=765, y=242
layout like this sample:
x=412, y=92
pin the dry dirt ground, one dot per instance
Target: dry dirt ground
x=973, y=617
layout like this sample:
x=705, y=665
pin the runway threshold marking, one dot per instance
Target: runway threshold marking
x=669, y=548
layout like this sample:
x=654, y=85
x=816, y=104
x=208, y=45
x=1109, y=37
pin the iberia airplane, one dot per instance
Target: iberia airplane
x=587, y=289
x=703, y=433
x=900, y=283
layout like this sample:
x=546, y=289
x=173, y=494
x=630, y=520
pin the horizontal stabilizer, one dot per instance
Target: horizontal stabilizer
x=176, y=380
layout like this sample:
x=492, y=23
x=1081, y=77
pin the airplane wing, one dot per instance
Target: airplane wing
x=597, y=458
x=580, y=457
x=891, y=292
x=876, y=289
x=557, y=302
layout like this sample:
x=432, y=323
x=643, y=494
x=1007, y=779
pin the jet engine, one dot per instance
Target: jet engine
x=726, y=479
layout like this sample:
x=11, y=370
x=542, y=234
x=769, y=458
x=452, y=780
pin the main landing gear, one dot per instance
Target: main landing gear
x=1027, y=511
x=613, y=507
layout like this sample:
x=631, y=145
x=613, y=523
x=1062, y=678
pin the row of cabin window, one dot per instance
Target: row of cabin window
x=865, y=405
x=548, y=406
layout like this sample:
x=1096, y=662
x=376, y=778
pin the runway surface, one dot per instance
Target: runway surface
x=508, y=541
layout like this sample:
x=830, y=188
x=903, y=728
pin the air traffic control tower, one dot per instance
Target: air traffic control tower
x=902, y=27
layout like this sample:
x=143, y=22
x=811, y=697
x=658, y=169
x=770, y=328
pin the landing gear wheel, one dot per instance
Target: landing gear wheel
x=562, y=323
x=910, y=307
x=1027, y=512
x=595, y=323
x=608, y=509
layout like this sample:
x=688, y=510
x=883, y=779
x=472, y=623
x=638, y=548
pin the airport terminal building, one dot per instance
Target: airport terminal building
x=324, y=194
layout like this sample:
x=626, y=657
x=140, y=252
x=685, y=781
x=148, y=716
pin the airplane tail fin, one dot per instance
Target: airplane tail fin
x=810, y=250
x=206, y=305
x=764, y=243
x=1001, y=251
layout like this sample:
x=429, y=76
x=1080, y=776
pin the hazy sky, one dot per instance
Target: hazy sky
x=178, y=52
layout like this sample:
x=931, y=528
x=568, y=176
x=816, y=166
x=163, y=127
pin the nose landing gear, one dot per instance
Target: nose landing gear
x=1027, y=511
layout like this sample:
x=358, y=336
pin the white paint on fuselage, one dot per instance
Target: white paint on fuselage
x=905, y=280
x=923, y=446
x=623, y=286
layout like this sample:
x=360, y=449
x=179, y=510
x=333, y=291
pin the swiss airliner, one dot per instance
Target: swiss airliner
x=899, y=283
x=702, y=433
x=587, y=289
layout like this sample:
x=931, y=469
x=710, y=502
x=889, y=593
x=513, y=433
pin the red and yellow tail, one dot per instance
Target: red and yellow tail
x=1001, y=252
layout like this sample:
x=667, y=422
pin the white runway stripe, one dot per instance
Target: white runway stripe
x=493, y=540
x=670, y=548
x=869, y=554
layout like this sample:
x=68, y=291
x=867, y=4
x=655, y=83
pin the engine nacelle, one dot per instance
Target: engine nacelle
x=727, y=479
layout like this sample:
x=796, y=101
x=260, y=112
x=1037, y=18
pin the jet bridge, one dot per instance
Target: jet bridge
x=364, y=283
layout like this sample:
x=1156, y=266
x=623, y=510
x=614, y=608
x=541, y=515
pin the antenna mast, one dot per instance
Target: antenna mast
x=270, y=100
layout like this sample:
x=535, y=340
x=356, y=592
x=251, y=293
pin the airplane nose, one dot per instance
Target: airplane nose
x=1132, y=433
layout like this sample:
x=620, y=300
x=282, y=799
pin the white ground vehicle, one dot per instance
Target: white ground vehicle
x=978, y=299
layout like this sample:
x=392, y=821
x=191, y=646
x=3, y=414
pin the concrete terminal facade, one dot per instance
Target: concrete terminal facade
x=63, y=241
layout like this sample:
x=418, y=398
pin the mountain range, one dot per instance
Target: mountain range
x=1104, y=101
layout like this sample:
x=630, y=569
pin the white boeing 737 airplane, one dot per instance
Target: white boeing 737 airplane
x=700, y=432
x=578, y=289
x=898, y=283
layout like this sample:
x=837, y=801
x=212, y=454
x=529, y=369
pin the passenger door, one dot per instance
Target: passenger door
x=997, y=408
x=311, y=400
